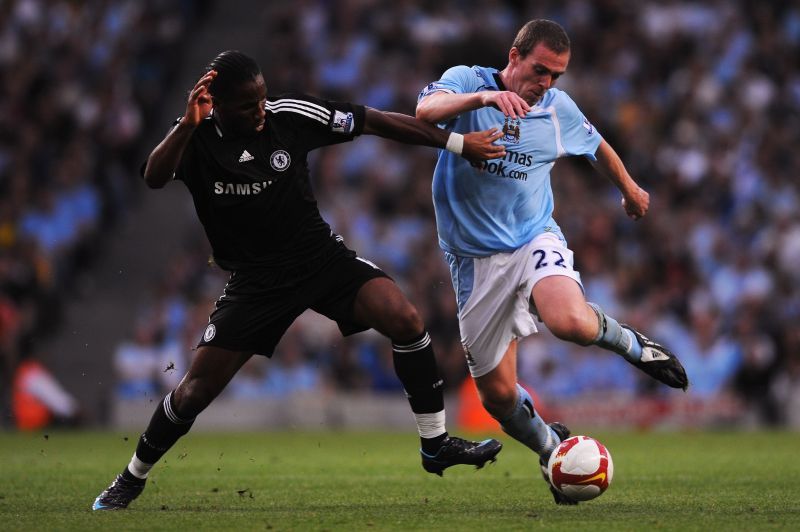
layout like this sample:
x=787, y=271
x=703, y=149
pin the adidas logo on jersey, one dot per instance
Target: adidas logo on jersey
x=245, y=156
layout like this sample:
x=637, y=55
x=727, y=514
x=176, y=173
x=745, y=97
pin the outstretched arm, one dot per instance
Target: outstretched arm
x=635, y=200
x=441, y=106
x=164, y=158
x=477, y=146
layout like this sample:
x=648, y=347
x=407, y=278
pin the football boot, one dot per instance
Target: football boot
x=119, y=494
x=659, y=362
x=563, y=433
x=456, y=451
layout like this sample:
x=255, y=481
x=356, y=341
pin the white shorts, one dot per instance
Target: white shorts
x=494, y=296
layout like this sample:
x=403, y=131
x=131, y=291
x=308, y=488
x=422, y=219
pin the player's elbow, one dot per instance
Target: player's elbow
x=154, y=173
x=153, y=180
x=424, y=113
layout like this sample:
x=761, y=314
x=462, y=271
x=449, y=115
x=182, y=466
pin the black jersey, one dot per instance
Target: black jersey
x=253, y=195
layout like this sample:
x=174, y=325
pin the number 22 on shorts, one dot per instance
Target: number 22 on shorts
x=541, y=254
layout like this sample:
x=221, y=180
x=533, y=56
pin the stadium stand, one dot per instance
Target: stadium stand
x=700, y=133
x=701, y=99
x=81, y=84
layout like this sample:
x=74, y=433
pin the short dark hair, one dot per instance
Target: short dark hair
x=233, y=69
x=550, y=33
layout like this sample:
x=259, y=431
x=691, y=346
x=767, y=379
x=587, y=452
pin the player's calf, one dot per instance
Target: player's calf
x=526, y=426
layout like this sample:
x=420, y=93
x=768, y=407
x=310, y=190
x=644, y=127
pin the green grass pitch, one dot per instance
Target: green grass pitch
x=373, y=481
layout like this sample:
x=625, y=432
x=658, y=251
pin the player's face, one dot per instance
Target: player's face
x=532, y=75
x=242, y=113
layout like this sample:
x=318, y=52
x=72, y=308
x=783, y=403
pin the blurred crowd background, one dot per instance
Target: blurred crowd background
x=700, y=99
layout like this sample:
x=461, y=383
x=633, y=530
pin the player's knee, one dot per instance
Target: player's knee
x=572, y=325
x=405, y=324
x=498, y=398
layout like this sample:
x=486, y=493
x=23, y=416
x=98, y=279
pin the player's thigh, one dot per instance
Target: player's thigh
x=255, y=310
x=338, y=292
x=493, y=309
x=381, y=305
x=561, y=305
x=556, y=291
x=556, y=296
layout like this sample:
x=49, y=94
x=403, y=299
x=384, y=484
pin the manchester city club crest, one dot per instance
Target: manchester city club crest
x=511, y=130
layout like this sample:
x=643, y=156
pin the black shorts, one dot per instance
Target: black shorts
x=257, y=306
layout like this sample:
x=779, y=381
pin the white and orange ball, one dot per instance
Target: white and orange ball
x=581, y=468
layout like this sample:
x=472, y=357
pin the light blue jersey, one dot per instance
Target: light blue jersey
x=506, y=203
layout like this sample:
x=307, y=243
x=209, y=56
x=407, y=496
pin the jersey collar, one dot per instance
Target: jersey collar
x=214, y=121
x=499, y=82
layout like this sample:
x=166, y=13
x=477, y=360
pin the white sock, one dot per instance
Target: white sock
x=431, y=425
x=527, y=427
x=138, y=468
x=614, y=337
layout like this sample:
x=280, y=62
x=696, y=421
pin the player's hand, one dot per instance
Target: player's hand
x=508, y=102
x=479, y=146
x=199, y=105
x=636, y=203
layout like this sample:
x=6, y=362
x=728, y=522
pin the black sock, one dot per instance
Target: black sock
x=164, y=430
x=415, y=366
x=432, y=445
x=127, y=475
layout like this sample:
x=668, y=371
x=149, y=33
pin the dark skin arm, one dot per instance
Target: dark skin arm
x=409, y=130
x=165, y=157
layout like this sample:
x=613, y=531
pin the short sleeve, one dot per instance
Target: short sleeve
x=578, y=135
x=322, y=122
x=458, y=79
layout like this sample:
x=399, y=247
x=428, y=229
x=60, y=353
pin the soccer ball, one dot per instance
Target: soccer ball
x=580, y=468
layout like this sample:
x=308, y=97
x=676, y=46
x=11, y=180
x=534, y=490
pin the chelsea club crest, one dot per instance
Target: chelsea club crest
x=280, y=160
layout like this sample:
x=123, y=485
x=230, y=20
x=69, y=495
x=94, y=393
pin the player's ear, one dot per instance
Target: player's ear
x=513, y=55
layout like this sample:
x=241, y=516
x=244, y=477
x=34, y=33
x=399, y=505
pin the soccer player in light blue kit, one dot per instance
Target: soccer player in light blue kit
x=508, y=258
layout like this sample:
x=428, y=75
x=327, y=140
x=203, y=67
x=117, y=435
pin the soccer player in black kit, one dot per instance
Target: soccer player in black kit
x=243, y=157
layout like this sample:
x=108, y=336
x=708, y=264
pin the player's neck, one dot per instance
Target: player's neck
x=502, y=79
